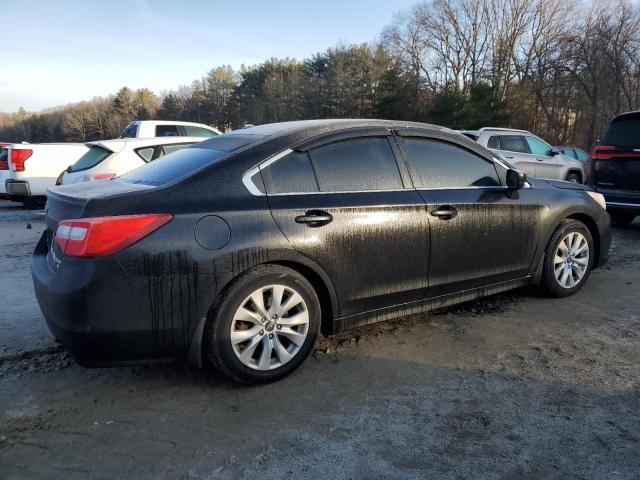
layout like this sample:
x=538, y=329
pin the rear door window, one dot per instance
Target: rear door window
x=191, y=131
x=513, y=143
x=582, y=155
x=167, y=131
x=538, y=147
x=356, y=165
x=436, y=164
x=290, y=174
x=90, y=159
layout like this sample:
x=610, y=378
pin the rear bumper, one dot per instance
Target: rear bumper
x=100, y=315
x=19, y=188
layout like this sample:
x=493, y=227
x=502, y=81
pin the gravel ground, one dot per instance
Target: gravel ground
x=513, y=386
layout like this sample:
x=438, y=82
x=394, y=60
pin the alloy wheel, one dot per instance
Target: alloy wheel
x=269, y=327
x=571, y=260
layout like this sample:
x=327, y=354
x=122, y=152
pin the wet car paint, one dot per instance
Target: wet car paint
x=381, y=257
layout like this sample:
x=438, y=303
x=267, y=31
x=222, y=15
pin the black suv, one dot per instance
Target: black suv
x=615, y=168
x=240, y=249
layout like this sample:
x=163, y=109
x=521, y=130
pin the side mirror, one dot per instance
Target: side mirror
x=555, y=151
x=515, y=179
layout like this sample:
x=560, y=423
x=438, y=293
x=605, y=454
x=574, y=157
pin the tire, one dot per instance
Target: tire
x=622, y=219
x=573, y=230
x=573, y=178
x=236, y=316
x=34, y=203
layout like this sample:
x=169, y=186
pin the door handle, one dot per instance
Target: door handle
x=445, y=213
x=510, y=157
x=314, y=218
x=540, y=159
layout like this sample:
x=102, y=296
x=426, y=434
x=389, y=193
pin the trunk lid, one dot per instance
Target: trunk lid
x=70, y=201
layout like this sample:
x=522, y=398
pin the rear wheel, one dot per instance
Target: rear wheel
x=573, y=178
x=34, y=203
x=264, y=327
x=622, y=219
x=568, y=259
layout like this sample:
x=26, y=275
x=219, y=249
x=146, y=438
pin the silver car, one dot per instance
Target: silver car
x=529, y=153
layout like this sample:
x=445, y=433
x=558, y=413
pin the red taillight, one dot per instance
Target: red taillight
x=18, y=157
x=4, y=164
x=102, y=236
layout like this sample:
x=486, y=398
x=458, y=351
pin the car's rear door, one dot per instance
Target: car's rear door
x=344, y=204
x=481, y=232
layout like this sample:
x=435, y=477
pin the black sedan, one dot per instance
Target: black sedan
x=239, y=250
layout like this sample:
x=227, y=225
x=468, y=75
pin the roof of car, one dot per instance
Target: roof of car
x=172, y=122
x=117, y=144
x=634, y=113
x=276, y=129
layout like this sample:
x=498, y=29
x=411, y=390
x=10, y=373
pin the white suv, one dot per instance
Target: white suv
x=529, y=153
x=167, y=128
x=109, y=158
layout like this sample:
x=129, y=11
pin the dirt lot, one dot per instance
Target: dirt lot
x=515, y=386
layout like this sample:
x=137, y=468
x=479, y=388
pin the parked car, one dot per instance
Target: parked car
x=167, y=128
x=615, y=168
x=34, y=167
x=529, y=153
x=109, y=158
x=238, y=250
x=4, y=170
x=578, y=154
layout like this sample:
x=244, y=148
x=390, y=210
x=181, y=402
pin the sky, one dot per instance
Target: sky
x=54, y=52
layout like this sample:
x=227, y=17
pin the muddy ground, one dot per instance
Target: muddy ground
x=516, y=386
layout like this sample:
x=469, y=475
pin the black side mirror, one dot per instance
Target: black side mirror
x=515, y=179
x=555, y=151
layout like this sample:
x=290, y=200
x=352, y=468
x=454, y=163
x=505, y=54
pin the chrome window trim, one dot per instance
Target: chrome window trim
x=254, y=190
x=620, y=204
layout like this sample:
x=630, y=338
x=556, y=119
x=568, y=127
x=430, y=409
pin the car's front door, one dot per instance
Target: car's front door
x=481, y=232
x=547, y=165
x=344, y=205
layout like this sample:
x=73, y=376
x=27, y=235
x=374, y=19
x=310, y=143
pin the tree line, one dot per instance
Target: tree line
x=554, y=67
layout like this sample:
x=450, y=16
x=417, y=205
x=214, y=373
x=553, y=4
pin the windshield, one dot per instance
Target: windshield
x=623, y=133
x=181, y=163
x=90, y=159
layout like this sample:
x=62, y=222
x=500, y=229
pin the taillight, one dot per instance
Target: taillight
x=18, y=157
x=4, y=164
x=102, y=236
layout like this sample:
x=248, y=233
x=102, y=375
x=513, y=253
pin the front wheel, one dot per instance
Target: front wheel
x=568, y=259
x=573, y=178
x=264, y=327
